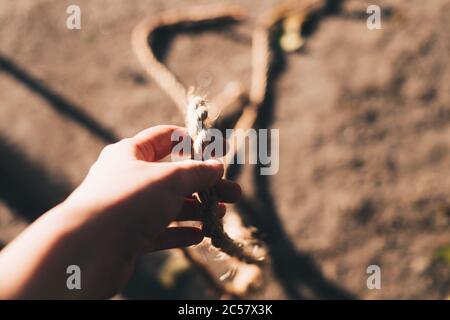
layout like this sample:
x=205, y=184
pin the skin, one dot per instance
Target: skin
x=120, y=211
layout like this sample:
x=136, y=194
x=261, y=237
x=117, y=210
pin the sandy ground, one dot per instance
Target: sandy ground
x=364, y=119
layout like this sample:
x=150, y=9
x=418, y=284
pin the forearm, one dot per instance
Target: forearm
x=121, y=210
x=34, y=265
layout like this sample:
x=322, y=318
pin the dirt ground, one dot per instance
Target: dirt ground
x=364, y=120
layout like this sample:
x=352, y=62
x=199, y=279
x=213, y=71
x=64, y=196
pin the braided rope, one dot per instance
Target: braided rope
x=196, y=118
x=158, y=71
x=196, y=112
x=261, y=61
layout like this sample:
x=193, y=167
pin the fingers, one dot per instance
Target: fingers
x=177, y=237
x=192, y=176
x=228, y=191
x=191, y=211
x=155, y=143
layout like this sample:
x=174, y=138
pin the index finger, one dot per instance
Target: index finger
x=155, y=143
x=191, y=176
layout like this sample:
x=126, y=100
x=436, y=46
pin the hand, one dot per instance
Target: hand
x=120, y=211
x=148, y=194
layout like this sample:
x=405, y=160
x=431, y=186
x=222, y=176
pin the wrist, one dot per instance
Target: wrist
x=98, y=228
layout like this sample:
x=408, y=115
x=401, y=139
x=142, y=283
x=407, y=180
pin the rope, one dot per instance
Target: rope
x=194, y=108
x=196, y=119
x=158, y=71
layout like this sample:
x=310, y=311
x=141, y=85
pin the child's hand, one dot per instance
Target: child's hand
x=120, y=211
x=129, y=185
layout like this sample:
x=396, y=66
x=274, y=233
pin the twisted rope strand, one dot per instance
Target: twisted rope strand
x=158, y=71
x=197, y=115
x=261, y=61
x=196, y=112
